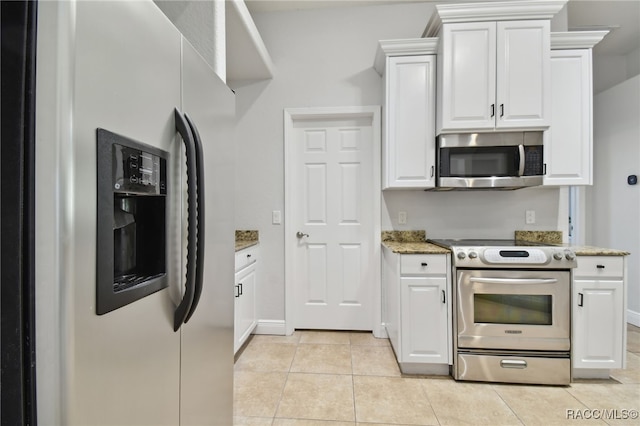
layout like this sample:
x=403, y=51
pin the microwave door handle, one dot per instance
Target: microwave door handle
x=483, y=280
x=522, y=158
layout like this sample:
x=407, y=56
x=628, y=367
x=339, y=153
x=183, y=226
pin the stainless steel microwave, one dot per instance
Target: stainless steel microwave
x=509, y=160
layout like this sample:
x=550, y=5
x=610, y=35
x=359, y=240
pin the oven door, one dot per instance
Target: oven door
x=513, y=310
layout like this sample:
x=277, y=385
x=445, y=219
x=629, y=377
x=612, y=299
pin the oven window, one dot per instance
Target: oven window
x=533, y=309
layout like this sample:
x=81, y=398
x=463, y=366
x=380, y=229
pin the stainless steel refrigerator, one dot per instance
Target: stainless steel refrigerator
x=122, y=67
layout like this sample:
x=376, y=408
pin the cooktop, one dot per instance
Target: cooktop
x=486, y=243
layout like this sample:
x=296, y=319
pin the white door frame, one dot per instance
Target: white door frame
x=302, y=114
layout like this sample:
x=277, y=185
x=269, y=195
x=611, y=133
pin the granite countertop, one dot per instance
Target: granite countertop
x=245, y=239
x=410, y=242
x=414, y=242
x=555, y=238
x=596, y=251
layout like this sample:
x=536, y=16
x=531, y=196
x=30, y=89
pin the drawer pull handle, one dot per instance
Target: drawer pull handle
x=513, y=363
x=248, y=256
x=423, y=264
x=237, y=293
x=600, y=266
x=444, y=297
x=240, y=289
x=580, y=299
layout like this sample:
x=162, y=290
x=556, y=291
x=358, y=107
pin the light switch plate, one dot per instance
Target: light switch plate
x=276, y=217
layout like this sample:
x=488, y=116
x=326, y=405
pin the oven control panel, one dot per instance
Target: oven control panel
x=532, y=257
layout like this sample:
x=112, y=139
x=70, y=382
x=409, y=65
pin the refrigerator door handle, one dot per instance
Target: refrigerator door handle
x=199, y=172
x=185, y=305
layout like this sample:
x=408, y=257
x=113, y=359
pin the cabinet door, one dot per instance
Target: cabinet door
x=245, y=317
x=523, y=74
x=409, y=149
x=468, y=79
x=598, y=327
x=568, y=147
x=424, y=328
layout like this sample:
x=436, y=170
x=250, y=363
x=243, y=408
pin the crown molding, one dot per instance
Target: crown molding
x=576, y=39
x=491, y=11
x=403, y=47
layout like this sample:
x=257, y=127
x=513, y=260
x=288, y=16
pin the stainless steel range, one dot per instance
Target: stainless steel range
x=511, y=315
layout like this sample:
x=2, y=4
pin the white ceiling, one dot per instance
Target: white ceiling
x=623, y=16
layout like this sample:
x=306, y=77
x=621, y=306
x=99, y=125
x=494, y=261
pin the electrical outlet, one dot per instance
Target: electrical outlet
x=402, y=218
x=530, y=217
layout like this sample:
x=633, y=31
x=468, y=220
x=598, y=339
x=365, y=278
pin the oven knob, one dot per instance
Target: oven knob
x=557, y=255
x=473, y=255
x=461, y=255
x=570, y=255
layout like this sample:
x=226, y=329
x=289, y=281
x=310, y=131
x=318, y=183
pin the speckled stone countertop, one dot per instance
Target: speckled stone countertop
x=246, y=239
x=410, y=242
x=548, y=237
x=555, y=238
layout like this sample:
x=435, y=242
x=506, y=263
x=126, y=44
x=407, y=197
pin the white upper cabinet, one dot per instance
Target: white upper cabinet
x=494, y=75
x=568, y=144
x=468, y=77
x=494, y=65
x=409, y=150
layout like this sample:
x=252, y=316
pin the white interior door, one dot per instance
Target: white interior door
x=332, y=211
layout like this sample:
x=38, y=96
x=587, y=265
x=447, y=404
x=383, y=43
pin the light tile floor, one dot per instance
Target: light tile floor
x=316, y=378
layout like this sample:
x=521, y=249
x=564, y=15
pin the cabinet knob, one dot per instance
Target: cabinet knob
x=423, y=264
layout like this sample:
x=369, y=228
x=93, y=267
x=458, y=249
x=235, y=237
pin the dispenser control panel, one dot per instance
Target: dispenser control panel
x=138, y=172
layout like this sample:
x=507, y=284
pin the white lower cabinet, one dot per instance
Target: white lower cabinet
x=598, y=316
x=245, y=319
x=417, y=310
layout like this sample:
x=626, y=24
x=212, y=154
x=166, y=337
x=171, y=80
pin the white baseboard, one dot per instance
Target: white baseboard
x=633, y=317
x=276, y=327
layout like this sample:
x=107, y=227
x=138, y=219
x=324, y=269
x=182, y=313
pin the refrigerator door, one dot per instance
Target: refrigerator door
x=123, y=74
x=207, y=337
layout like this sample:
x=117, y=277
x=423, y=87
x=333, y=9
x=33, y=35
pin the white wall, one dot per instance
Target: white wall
x=611, y=70
x=614, y=206
x=324, y=57
x=477, y=214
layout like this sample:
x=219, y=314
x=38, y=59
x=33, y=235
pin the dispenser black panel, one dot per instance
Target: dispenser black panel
x=131, y=221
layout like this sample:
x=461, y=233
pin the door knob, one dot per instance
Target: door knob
x=300, y=234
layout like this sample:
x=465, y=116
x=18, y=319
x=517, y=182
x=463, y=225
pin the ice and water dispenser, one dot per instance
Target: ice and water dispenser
x=131, y=221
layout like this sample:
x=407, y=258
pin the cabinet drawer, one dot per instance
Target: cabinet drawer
x=599, y=266
x=246, y=257
x=423, y=264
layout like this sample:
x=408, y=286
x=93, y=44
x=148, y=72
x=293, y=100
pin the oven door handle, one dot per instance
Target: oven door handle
x=483, y=280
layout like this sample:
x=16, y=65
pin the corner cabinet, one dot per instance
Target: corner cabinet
x=245, y=319
x=598, y=314
x=495, y=75
x=417, y=310
x=568, y=144
x=409, y=150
